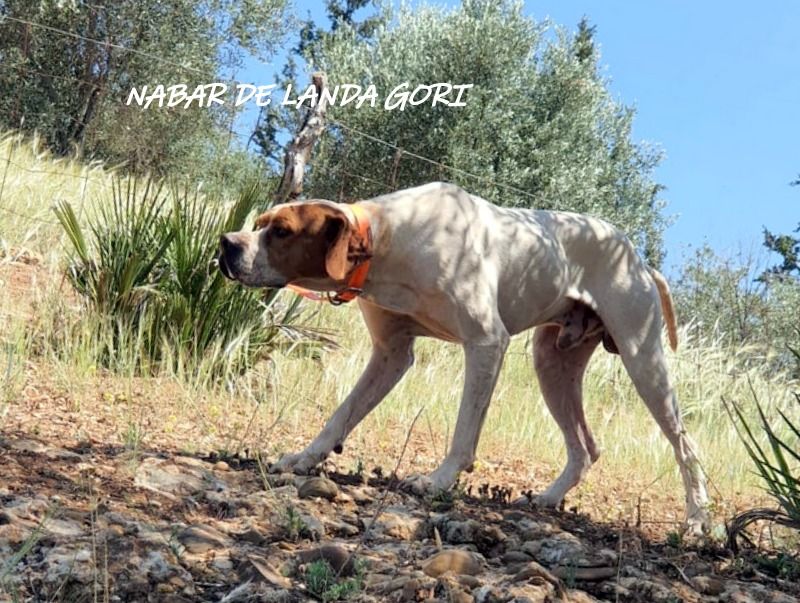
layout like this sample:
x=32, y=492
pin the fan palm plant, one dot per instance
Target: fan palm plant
x=144, y=264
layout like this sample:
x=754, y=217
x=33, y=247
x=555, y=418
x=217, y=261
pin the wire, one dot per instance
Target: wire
x=106, y=44
x=433, y=161
x=341, y=124
x=27, y=217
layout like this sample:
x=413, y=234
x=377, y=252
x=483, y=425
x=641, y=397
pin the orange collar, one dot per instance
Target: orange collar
x=354, y=283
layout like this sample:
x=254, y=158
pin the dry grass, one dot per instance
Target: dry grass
x=31, y=181
x=280, y=404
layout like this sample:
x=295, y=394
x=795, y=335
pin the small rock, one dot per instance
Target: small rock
x=461, y=532
x=587, y=574
x=416, y=589
x=339, y=528
x=511, y=557
x=339, y=558
x=363, y=495
x=222, y=466
x=468, y=581
x=397, y=522
x=531, y=593
x=268, y=573
x=222, y=562
x=560, y=549
x=200, y=539
x=708, y=585
x=35, y=447
x=488, y=594
x=534, y=570
x=170, y=479
x=312, y=526
x=453, y=560
x=318, y=487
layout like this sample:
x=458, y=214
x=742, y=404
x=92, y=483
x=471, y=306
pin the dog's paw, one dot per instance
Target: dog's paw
x=547, y=501
x=301, y=463
x=439, y=481
x=417, y=484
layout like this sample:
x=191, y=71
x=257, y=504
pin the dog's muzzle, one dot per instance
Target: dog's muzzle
x=229, y=254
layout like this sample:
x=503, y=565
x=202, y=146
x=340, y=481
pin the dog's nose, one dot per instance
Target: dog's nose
x=229, y=252
x=229, y=247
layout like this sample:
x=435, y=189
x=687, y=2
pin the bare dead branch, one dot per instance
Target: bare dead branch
x=299, y=151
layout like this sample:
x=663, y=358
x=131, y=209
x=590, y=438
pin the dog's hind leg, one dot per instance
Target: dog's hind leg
x=649, y=374
x=637, y=334
x=560, y=374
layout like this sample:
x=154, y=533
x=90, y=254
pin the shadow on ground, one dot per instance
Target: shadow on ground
x=106, y=523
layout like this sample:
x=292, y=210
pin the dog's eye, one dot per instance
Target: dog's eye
x=279, y=232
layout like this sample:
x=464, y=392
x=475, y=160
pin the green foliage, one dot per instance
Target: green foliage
x=73, y=92
x=782, y=565
x=675, y=539
x=778, y=463
x=323, y=582
x=788, y=247
x=735, y=300
x=539, y=118
x=294, y=526
x=144, y=266
x=721, y=295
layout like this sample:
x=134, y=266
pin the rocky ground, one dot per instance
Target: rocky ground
x=95, y=523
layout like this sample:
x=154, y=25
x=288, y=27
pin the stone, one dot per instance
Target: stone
x=35, y=447
x=415, y=589
x=531, y=593
x=269, y=574
x=222, y=562
x=65, y=562
x=171, y=479
x=318, y=487
x=339, y=528
x=535, y=571
x=397, y=522
x=312, y=526
x=453, y=560
x=488, y=594
x=339, y=558
x=587, y=574
x=559, y=549
x=461, y=532
x=512, y=557
x=362, y=495
x=199, y=539
x=708, y=585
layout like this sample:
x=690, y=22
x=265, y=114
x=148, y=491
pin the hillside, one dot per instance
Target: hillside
x=121, y=486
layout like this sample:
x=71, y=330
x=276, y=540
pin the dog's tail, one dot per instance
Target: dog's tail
x=666, y=307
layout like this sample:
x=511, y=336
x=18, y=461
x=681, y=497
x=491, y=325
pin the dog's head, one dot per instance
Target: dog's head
x=312, y=242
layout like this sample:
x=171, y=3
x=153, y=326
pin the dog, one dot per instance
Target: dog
x=436, y=261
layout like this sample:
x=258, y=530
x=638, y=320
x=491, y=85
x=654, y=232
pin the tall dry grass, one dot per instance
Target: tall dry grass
x=32, y=180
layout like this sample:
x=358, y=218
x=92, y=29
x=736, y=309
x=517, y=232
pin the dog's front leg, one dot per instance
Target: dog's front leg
x=389, y=362
x=482, y=364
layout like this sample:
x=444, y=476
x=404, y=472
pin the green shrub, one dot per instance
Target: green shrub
x=143, y=263
x=777, y=462
x=326, y=585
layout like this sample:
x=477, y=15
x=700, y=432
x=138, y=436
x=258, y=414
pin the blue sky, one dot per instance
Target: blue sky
x=717, y=86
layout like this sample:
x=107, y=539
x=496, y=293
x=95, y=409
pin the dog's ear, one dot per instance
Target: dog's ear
x=337, y=231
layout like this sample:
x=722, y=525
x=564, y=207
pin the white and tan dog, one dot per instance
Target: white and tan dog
x=436, y=261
